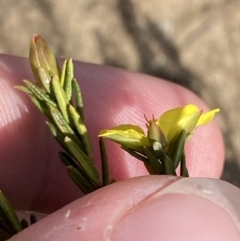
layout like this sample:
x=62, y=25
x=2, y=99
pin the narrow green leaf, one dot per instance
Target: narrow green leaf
x=60, y=97
x=169, y=166
x=82, y=130
x=68, y=79
x=179, y=149
x=39, y=93
x=57, y=135
x=23, y=89
x=149, y=168
x=34, y=99
x=44, y=78
x=80, y=180
x=84, y=161
x=104, y=162
x=78, y=96
x=67, y=160
x=154, y=162
x=8, y=215
x=60, y=121
x=63, y=73
x=52, y=128
x=38, y=104
x=60, y=129
x=183, y=167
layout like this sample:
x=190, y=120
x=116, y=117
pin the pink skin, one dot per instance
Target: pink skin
x=33, y=178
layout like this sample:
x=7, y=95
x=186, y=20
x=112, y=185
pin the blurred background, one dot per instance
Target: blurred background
x=194, y=43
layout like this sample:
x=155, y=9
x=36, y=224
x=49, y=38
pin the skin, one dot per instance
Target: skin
x=139, y=208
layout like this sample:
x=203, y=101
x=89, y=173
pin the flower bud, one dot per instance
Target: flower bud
x=156, y=136
x=41, y=56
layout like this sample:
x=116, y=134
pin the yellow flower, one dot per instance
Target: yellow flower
x=170, y=124
x=185, y=118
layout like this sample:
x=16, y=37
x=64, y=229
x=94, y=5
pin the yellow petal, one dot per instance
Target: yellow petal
x=207, y=117
x=168, y=119
x=172, y=122
x=126, y=135
x=185, y=118
x=189, y=122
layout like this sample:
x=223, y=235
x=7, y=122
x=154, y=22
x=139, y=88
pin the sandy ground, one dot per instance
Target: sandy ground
x=194, y=43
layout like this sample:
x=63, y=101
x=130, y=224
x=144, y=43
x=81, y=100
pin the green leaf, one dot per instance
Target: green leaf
x=68, y=79
x=183, y=167
x=23, y=89
x=41, y=106
x=67, y=160
x=52, y=128
x=60, y=122
x=167, y=162
x=78, y=96
x=39, y=93
x=104, y=162
x=80, y=180
x=149, y=168
x=58, y=135
x=154, y=162
x=63, y=73
x=45, y=79
x=169, y=166
x=179, y=149
x=60, y=97
x=8, y=215
x=84, y=161
x=82, y=130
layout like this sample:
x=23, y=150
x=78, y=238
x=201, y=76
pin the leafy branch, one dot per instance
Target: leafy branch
x=58, y=96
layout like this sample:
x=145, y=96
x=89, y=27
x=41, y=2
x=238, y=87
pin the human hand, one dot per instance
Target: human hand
x=33, y=177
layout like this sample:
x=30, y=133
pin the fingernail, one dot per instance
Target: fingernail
x=189, y=209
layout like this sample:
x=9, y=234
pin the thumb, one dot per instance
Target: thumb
x=147, y=208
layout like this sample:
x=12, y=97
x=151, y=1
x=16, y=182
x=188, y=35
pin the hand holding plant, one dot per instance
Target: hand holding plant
x=102, y=210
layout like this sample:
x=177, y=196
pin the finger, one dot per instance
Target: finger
x=111, y=97
x=147, y=208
